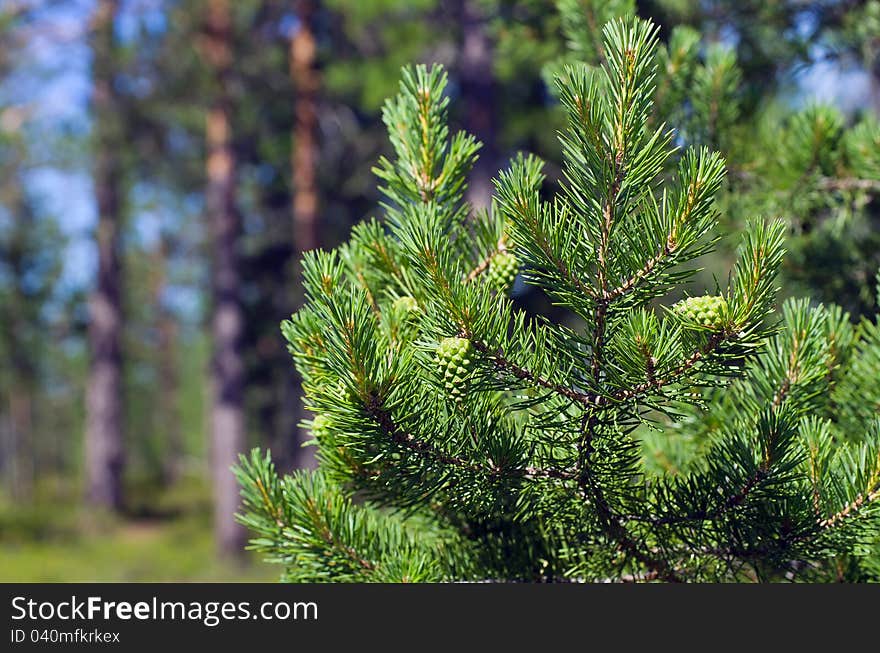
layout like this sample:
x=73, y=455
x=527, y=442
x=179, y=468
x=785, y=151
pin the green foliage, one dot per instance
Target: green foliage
x=405, y=306
x=697, y=85
x=582, y=22
x=858, y=31
x=812, y=378
x=313, y=528
x=713, y=96
x=824, y=178
x=389, y=33
x=531, y=464
x=808, y=166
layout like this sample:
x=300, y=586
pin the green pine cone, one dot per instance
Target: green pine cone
x=343, y=394
x=705, y=312
x=405, y=305
x=455, y=360
x=503, y=269
x=320, y=426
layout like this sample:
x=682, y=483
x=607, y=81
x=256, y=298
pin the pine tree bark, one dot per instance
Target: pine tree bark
x=104, y=420
x=227, y=324
x=478, y=89
x=307, y=83
x=305, y=151
x=166, y=329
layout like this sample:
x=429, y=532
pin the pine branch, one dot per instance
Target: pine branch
x=640, y=275
x=384, y=420
x=529, y=218
x=851, y=508
x=484, y=263
x=867, y=496
x=674, y=375
x=608, y=520
x=498, y=358
x=328, y=537
x=517, y=443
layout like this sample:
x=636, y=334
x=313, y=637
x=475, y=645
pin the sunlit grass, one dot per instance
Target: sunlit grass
x=55, y=541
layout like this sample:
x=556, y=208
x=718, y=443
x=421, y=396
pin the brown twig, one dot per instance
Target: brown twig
x=542, y=242
x=498, y=358
x=327, y=536
x=658, y=382
x=392, y=429
x=483, y=265
x=640, y=274
x=850, y=508
x=608, y=520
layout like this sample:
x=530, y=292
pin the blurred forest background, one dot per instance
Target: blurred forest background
x=163, y=163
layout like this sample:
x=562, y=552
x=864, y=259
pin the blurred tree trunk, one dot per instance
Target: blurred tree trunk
x=227, y=365
x=307, y=82
x=104, y=428
x=169, y=386
x=22, y=453
x=478, y=90
x=304, y=186
x=23, y=381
